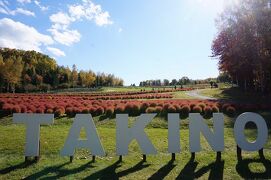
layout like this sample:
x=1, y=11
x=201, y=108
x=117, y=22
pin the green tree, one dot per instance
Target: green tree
x=12, y=72
x=74, y=76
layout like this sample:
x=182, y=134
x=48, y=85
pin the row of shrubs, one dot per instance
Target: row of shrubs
x=102, y=97
x=97, y=95
x=109, y=110
x=72, y=105
x=132, y=92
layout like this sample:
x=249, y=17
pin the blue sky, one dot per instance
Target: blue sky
x=135, y=40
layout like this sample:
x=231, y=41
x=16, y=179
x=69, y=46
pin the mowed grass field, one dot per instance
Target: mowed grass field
x=160, y=166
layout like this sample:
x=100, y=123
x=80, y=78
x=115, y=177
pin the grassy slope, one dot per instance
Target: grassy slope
x=235, y=94
x=181, y=95
x=51, y=165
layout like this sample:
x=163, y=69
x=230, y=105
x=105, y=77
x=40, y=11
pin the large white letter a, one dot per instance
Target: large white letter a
x=92, y=143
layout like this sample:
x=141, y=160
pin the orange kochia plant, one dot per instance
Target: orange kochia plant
x=70, y=105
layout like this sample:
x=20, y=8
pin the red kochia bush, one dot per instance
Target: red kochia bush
x=40, y=110
x=202, y=105
x=231, y=111
x=197, y=109
x=158, y=109
x=208, y=111
x=92, y=111
x=192, y=105
x=185, y=109
x=109, y=112
x=153, y=104
x=225, y=106
x=119, y=109
x=16, y=109
x=70, y=112
x=136, y=109
x=49, y=111
x=23, y=109
x=215, y=109
x=99, y=111
x=128, y=108
x=7, y=108
x=150, y=110
x=85, y=111
x=59, y=112
x=143, y=107
x=171, y=109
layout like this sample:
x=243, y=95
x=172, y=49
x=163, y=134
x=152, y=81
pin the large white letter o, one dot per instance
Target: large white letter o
x=240, y=137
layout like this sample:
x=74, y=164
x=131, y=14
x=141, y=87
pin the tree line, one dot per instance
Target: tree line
x=28, y=71
x=243, y=44
x=180, y=82
x=165, y=82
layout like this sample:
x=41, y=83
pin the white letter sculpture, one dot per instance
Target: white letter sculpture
x=32, y=122
x=197, y=126
x=239, y=128
x=125, y=135
x=92, y=143
x=174, y=133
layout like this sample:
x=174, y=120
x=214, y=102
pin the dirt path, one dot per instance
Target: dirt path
x=195, y=94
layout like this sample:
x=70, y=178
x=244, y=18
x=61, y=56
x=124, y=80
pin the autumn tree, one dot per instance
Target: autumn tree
x=74, y=76
x=87, y=79
x=243, y=44
x=11, y=72
x=36, y=71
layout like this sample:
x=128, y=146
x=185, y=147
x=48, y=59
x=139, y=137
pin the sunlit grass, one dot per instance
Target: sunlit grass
x=52, y=165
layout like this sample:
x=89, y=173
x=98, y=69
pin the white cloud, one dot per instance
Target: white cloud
x=103, y=19
x=77, y=11
x=20, y=36
x=5, y=10
x=120, y=30
x=61, y=18
x=22, y=11
x=66, y=37
x=60, y=29
x=24, y=1
x=43, y=8
x=56, y=51
x=90, y=11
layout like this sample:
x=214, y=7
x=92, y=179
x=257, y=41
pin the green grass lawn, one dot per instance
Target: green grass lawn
x=235, y=94
x=181, y=95
x=53, y=166
x=109, y=89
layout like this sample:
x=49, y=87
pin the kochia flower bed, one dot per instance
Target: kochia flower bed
x=70, y=105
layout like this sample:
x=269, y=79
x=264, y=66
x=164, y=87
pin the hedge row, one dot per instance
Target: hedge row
x=70, y=106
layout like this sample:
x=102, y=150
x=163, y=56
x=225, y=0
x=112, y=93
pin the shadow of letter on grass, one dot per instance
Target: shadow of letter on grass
x=59, y=171
x=110, y=171
x=163, y=171
x=216, y=169
x=242, y=167
x=16, y=167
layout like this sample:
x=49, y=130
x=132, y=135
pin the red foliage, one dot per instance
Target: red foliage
x=89, y=103
x=215, y=109
x=231, y=111
x=208, y=111
x=119, y=109
x=150, y=110
x=185, y=110
x=197, y=109
x=16, y=109
x=70, y=112
x=109, y=112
